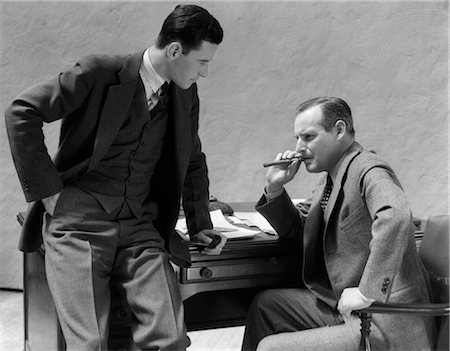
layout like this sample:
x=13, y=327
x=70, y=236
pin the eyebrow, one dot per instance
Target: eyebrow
x=305, y=133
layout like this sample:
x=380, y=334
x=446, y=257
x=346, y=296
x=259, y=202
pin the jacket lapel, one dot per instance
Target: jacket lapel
x=116, y=106
x=349, y=155
x=314, y=221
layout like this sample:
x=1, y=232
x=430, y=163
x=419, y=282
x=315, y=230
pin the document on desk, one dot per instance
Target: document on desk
x=255, y=219
x=221, y=224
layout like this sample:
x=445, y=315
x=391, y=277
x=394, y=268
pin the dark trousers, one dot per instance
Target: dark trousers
x=85, y=248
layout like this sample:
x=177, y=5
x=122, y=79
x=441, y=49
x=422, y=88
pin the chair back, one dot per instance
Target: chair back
x=434, y=252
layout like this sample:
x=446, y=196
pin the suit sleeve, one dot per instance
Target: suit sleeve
x=283, y=216
x=196, y=185
x=51, y=100
x=390, y=231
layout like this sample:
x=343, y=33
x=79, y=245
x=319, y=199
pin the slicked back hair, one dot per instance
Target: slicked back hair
x=190, y=25
x=333, y=110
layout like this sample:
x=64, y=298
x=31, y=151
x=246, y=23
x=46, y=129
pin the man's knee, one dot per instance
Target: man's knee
x=265, y=344
x=263, y=300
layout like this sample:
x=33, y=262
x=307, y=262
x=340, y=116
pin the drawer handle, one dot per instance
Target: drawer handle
x=206, y=273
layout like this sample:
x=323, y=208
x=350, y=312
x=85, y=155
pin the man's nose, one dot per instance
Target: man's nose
x=300, y=146
x=204, y=72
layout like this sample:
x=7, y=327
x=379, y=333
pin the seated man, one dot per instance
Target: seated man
x=356, y=239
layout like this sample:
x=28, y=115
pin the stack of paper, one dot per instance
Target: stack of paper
x=222, y=225
x=255, y=219
x=230, y=226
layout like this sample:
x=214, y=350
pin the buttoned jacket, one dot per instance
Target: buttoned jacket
x=93, y=99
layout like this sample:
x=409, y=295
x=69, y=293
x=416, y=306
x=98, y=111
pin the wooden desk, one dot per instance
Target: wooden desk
x=216, y=290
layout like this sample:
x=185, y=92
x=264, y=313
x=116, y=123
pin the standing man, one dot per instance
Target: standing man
x=356, y=239
x=129, y=150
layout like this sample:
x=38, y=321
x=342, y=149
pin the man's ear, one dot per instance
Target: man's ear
x=341, y=128
x=174, y=50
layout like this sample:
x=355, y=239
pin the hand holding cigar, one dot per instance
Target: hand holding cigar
x=285, y=161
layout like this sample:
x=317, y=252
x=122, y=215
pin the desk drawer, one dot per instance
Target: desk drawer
x=238, y=269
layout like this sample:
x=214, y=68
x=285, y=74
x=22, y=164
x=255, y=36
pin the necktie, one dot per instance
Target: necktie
x=163, y=90
x=159, y=96
x=326, y=194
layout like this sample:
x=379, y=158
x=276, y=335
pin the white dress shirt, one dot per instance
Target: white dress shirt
x=151, y=79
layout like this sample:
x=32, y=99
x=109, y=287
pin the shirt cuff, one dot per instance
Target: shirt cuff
x=271, y=196
x=366, y=299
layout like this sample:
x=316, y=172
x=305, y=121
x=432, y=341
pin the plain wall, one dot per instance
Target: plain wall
x=387, y=59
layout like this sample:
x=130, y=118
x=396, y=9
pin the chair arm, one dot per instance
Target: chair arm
x=365, y=315
x=433, y=309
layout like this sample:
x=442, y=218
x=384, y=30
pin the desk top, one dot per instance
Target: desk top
x=261, y=244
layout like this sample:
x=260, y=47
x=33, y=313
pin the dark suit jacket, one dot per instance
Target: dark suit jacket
x=367, y=236
x=93, y=99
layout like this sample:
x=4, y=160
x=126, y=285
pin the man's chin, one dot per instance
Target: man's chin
x=185, y=86
x=310, y=168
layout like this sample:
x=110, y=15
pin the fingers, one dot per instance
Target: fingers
x=351, y=300
x=215, y=240
x=218, y=248
x=345, y=312
x=289, y=154
x=339, y=306
x=203, y=238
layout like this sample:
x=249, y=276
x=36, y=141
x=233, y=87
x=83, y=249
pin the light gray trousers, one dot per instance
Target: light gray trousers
x=295, y=320
x=85, y=247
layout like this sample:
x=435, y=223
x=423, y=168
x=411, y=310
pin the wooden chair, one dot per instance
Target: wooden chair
x=434, y=252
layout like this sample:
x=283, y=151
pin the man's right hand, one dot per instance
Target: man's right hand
x=279, y=175
x=50, y=203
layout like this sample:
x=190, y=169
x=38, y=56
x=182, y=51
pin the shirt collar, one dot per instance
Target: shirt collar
x=151, y=79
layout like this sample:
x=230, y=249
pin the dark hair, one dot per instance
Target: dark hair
x=190, y=25
x=333, y=109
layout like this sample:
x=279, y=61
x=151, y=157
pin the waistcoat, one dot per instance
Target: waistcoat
x=123, y=174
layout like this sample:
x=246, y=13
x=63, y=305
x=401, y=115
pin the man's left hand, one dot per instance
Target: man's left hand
x=213, y=238
x=351, y=300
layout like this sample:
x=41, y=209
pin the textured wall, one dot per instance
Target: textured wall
x=388, y=60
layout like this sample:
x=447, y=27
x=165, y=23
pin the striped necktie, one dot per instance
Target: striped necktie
x=159, y=96
x=326, y=194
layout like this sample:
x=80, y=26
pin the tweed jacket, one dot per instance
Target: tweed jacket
x=92, y=99
x=364, y=239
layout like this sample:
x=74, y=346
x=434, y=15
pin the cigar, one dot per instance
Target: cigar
x=282, y=162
